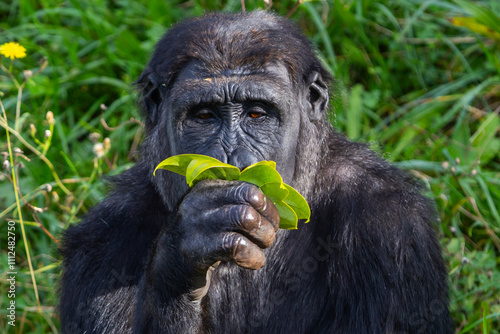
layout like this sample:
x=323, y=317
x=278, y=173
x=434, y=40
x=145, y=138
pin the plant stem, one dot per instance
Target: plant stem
x=4, y=124
x=18, y=204
x=12, y=77
x=18, y=107
x=46, y=145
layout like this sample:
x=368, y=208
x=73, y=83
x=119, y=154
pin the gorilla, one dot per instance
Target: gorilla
x=158, y=257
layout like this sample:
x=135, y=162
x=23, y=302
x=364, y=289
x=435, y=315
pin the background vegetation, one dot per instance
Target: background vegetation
x=419, y=80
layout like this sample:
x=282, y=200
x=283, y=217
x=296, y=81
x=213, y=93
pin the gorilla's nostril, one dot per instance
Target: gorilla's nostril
x=242, y=158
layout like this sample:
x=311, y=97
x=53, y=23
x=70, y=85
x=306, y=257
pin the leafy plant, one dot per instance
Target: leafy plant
x=290, y=203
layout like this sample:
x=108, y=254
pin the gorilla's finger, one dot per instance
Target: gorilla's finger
x=230, y=192
x=246, y=220
x=255, y=197
x=242, y=251
x=270, y=212
x=237, y=192
x=204, y=251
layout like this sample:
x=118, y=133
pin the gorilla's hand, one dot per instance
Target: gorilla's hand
x=226, y=221
x=216, y=221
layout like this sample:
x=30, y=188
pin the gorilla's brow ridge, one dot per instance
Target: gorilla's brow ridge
x=193, y=92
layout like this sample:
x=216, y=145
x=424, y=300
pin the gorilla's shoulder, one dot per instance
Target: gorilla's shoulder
x=353, y=165
x=133, y=205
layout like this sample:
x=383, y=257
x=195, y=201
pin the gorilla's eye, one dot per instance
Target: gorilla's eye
x=256, y=111
x=254, y=114
x=204, y=114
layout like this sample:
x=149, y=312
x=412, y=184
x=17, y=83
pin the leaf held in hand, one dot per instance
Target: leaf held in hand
x=288, y=217
x=275, y=189
x=177, y=164
x=197, y=167
x=298, y=203
x=261, y=173
x=290, y=203
x=196, y=170
x=277, y=193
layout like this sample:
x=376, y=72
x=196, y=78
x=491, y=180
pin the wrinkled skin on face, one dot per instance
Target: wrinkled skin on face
x=240, y=117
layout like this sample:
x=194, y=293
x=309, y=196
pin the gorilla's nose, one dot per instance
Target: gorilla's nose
x=242, y=158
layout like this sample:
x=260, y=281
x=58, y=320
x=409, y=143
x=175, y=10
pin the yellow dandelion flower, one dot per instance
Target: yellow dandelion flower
x=12, y=50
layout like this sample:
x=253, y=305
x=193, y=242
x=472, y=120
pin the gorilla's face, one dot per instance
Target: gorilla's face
x=239, y=116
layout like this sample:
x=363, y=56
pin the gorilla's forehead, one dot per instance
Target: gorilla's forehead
x=197, y=84
x=198, y=70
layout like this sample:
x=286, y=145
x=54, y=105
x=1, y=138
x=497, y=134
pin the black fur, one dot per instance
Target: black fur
x=368, y=262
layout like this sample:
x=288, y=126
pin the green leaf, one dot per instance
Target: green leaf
x=177, y=164
x=474, y=25
x=482, y=14
x=290, y=204
x=298, y=203
x=288, y=218
x=197, y=167
x=201, y=163
x=275, y=190
x=261, y=173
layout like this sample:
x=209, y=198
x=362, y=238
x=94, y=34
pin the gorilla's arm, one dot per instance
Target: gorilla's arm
x=121, y=288
x=106, y=259
x=216, y=221
x=164, y=303
x=105, y=255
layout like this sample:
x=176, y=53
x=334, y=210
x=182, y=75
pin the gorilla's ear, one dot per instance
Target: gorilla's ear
x=317, y=96
x=151, y=95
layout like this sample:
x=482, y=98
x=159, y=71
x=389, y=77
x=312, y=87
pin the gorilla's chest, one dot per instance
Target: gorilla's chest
x=279, y=298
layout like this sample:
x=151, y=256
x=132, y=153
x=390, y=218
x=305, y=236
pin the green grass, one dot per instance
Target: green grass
x=413, y=78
